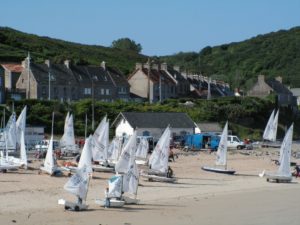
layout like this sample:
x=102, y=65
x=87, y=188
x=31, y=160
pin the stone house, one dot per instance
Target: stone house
x=67, y=82
x=164, y=82
x=263, y=88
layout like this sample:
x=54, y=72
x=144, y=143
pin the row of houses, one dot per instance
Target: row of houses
x=147, y=82
x=69, y=82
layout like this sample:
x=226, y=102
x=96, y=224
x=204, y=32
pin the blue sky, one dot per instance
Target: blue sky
x=162, y=27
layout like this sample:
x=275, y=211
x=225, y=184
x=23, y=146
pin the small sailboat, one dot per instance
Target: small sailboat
x=114, y=150
x=284, y=171
x=22, y=161
x=270, y=132
x=221, y=160
x=85, y=158
x=130, y=184
x=127, y=156
x=142, y=152
x=77, y=185
x=50, y=166
x=67, y=142
x=100, y=141
x=5, y=164
x=159, y=160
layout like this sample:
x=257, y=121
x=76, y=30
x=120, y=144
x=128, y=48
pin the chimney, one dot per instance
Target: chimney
x=164, y=66
x=261, y=78
x=47, y=62
x=103, y=65
x=155, y=66
x=138, y=66
x=279, y=79
x=177, y=68
x=67, y=63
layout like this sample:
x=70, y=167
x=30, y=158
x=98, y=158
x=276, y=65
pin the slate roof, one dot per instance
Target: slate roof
x=278, y=87
x=60, y=73
x=209, y=127
x=154, y=76
x=117, y=76
x=156, y=119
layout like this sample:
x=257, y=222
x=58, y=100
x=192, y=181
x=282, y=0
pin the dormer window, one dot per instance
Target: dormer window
x=80, y=78
x=105, y=78
x=95, y=78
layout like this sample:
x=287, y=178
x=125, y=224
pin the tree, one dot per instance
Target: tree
x=127, y=44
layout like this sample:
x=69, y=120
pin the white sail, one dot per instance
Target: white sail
x=68, y=138
x=115, y=186
x=222, y=148
x=127, y=155
x=66, y=122
x=100, y=144
x=86, y=156
x=49, y=164
x=23, y=155
x=286, y=148
x=21, y=125
x=142, y=149
x=270, y=131
x=10, y=134
x=273, y=132
x=78, y=183
x=114, y=149
x=160, y=156
x=100, y=141
x=131, y=179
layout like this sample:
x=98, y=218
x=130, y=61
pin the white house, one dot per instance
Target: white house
x=153, y=124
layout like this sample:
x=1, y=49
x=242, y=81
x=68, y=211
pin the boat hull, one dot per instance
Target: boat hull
x=218, y=170
x=72, y=205
x=130, y=201
x=278, y=178
x=114, y=203
x=151, y=177
x=99, y=168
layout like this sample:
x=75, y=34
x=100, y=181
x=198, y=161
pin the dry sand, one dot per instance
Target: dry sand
x=198, y=197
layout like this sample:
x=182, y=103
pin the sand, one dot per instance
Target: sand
x=198, y=197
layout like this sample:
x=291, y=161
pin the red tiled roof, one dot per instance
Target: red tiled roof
x=16, y=68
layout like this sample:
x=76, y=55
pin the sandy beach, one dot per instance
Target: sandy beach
x=198, y=197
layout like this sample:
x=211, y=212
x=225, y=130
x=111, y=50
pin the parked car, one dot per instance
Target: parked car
x=235, y=142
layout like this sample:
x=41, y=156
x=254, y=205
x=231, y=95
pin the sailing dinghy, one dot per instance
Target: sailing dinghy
x=77, y=185
x=100, y=142
x=270, y=132
x=67, y=142
x=159, y=160
x=142, y=152
x=115, y=185
x=221, y=160
x=284, y=171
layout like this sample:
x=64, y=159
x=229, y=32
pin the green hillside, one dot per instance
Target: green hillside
x=273, y=54
x=14, y=46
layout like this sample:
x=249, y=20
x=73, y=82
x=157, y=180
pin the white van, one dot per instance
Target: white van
x=235, y=142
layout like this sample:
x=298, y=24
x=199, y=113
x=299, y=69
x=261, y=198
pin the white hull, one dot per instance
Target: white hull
x=129, y=200
x=50, y=172
x=218, y=170
x=140, y=162
x=100, y=168
x=72, y=205
x=8, y=167
x=157, y=173
x=114, y=203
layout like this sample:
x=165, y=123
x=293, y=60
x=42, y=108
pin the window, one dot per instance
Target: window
x=122, y=90
x=95, y=78
x=102, y=91
x=107, y=92
x=43, y=90
x=105, y=78
x=87, y=91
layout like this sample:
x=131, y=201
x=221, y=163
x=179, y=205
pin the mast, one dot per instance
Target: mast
x=85, y=129
x=52, y=124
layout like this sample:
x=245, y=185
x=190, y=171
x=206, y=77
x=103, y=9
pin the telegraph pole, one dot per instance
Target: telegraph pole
x=28, y=76
x=148, y=91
